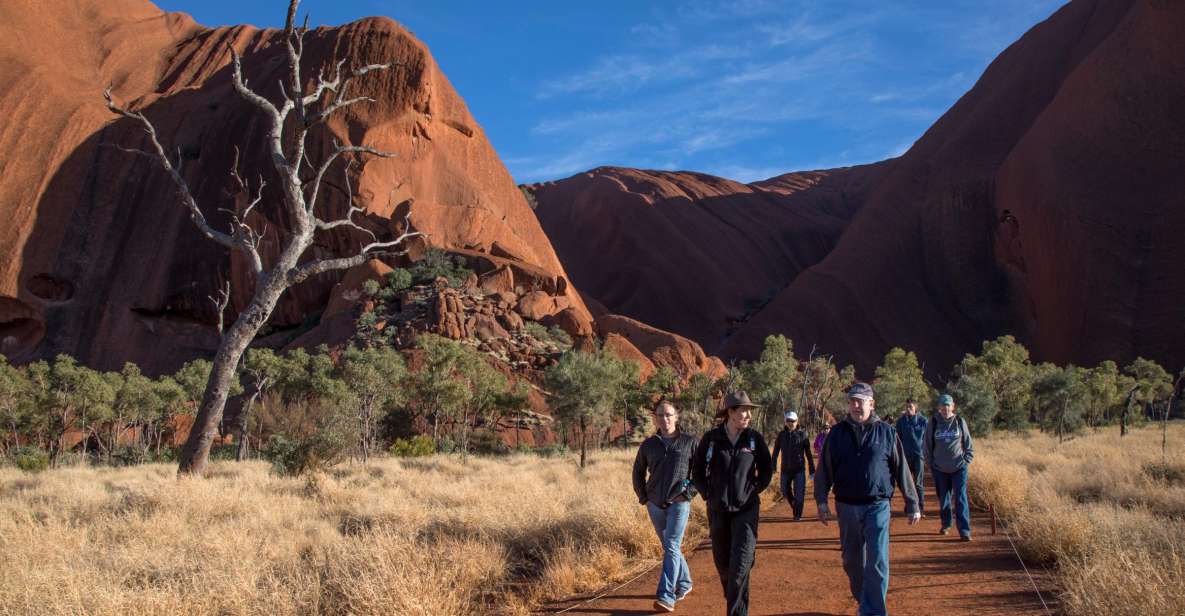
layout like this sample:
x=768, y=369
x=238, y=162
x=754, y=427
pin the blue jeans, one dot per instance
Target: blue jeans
x=864, y=541
x=796, y=492
x=953, y=486
x=670, y=523
x=917, y=468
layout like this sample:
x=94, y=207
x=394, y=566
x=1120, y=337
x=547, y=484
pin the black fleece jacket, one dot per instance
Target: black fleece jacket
x=662, y=470
x=736, y=474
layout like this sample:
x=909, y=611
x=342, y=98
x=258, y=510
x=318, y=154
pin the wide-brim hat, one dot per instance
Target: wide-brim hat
x=738, y=398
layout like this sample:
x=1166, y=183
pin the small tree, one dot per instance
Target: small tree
x=1003, y=365
x=581, y=385
x=372, y=377
x=136, y=398
x=1103, y=392
x=1060, y=396
x=434, y=389
x=898, y=379
x=696, y=404
x=489, y=395
x=977, y=402
x=15, y=394
x=773, y=381
x=1151, y=381
x=302, y=105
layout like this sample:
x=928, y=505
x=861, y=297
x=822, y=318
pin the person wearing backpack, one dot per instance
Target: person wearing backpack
x=948, y=453
x=862, y=460
x=730, y=468
x=662, y=482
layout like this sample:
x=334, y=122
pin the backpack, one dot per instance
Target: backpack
x=963, y=431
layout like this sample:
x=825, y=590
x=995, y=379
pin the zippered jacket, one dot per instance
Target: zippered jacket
x=731, y=476
x=793, y=445
x=662, y=470
x=861, y=463
x=911, y=429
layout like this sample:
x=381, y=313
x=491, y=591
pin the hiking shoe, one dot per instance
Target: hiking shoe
x=663, y=606
x=945, y=530
x=964, y=537
x=681, y=595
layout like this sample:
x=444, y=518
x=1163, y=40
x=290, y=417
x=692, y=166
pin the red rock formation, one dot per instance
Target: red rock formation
x=662, y=348
x=100, y=260
x=1048, y=202
x=693, y=253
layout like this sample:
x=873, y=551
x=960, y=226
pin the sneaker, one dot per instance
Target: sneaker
x=663, y=606
x=964, y=537
x=681, y=595
x=945, y=530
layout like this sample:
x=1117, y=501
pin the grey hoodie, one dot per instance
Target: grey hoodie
x=947, y=444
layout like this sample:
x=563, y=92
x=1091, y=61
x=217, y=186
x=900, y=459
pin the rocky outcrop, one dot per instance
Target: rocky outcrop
x=662, y=348
x=689, y=252
x=100, y=261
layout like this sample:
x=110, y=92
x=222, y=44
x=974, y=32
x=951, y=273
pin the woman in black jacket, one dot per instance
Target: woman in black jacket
x=731, y=468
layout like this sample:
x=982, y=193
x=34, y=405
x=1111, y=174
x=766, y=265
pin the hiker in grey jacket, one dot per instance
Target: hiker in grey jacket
x=662, y=481
x=948, y=452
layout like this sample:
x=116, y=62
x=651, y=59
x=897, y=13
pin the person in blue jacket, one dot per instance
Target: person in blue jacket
x=911, y=427
x=862, y=459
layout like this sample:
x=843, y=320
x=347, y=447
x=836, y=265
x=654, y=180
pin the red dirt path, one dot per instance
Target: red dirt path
x=798, y=573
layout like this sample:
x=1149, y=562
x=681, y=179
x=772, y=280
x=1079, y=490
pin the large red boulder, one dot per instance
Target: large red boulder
x=662, y=348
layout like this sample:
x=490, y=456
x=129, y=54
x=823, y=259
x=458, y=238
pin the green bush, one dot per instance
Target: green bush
x=295, y=457
x=559, y=336
x=414, y=447
x=552, y=451
x=487, y=442
x=399, y=280
x=437, y=263
x=446, y=445
x=31, y=459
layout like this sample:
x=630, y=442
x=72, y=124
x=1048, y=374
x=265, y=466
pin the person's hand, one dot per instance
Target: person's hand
x=915, y=517
x=812, y=477
x=824, y=514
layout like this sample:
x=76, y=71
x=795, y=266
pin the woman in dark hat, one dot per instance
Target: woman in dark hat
x=730, y=468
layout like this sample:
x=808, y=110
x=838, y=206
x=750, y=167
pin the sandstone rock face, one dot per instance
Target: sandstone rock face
x=347, y=293
x=538, y=305
x=693, y=253
x=662, y=348
x=1048, y=202
x=99, y=259
x=624, y=349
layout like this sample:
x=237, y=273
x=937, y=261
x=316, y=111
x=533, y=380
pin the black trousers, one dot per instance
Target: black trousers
x=734, y=548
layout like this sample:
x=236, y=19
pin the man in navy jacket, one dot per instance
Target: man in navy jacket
x=911, y=426
x=862, y=459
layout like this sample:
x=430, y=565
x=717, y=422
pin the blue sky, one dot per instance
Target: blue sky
x=744, y=89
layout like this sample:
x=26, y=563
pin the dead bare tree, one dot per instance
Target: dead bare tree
x=300, y=109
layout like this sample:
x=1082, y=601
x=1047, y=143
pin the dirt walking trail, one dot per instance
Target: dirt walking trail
x=798, y=573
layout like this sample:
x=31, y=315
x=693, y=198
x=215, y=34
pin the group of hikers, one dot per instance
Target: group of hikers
x=859, y=459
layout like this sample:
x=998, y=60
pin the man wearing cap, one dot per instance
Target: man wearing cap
x=730, y=468
x=911, y=427
x=862, y=459
x=794, y=444
x=948, y=452
x=662, y=482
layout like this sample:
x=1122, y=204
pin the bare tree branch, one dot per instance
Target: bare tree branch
x=195, y=213
x=313, y=268
x=220, y=304
x=338, y=151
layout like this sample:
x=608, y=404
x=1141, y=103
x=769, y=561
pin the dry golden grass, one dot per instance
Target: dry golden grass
x=1108, y=513
x=429, y=536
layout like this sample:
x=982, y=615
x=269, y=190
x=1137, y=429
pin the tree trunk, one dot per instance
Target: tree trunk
x=583, y=448
x=195, y=453
x=241, y=449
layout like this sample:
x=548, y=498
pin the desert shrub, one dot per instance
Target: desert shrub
x=414, y=447
x=439, y=264
x=559, y=336
x=31, y=459
x=293, y=457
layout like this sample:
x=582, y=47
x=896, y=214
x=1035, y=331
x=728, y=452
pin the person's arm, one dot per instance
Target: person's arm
x=968, y=451
x=823, y=482
x=777, y=449
x=640, y=475
x=690, y=491
x=699, y=466
x=765, y=468
x=810, y=457
x=927, y=439
x=904, y=479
